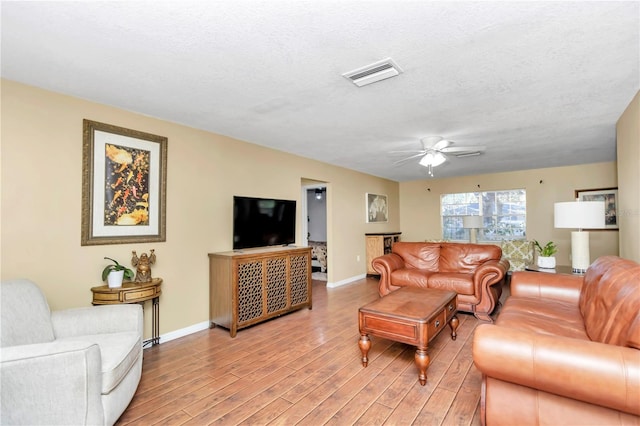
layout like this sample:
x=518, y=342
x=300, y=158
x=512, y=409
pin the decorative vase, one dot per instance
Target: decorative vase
x=546, y=262
x=114, y=279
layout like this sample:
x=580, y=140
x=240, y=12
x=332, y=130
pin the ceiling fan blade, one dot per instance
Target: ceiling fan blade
x=408, y=158
x=463, y=149
x=441, y=145
x=430, y=141
x=411, y=151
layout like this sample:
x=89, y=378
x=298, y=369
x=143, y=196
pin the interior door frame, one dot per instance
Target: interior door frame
x=305, y=211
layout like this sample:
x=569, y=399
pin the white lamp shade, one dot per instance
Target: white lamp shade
x=472, y=222
x=579, y=214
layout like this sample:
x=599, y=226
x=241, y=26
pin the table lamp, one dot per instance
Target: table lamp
x=473, y=223
x=579, y=215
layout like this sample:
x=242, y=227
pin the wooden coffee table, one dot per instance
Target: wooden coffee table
x=410, y=315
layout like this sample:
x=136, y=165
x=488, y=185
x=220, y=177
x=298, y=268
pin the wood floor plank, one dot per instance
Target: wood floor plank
x=376, y=414
x=236, y=400
x=435, y=410
x=178, y=399
x=360, y=403
x=302, y=407
x=177, y=418
x=336, y=400
x=305, y=368
x=417, y=396
x=467, y=398
x=268, y=413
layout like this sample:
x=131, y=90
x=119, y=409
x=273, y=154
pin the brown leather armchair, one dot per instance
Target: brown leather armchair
x=565, y=349
x=474, y=271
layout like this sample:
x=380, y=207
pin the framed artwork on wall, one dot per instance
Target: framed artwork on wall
x=124, y=176
x=377, y=208
x=610, y=198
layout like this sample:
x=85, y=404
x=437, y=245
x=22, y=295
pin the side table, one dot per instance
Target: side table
x=131, y=292
x=559, y=269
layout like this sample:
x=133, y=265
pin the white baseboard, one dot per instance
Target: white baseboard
x=172, y=335
x=345, y=281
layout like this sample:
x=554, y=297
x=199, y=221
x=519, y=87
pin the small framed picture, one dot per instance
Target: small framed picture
x=377, y=208
x=124, y=175
x=610, y=198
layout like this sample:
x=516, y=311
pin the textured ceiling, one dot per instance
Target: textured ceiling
x=540, y=84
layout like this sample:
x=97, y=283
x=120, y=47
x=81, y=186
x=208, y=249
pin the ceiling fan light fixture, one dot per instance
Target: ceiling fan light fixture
x=432, y=159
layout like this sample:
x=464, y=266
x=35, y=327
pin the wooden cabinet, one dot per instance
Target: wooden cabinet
x=379, y=244
x=250, y=286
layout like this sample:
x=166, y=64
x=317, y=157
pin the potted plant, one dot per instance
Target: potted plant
x=545, y=254
x=116, y=273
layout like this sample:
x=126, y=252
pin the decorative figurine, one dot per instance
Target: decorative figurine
x=143, y=264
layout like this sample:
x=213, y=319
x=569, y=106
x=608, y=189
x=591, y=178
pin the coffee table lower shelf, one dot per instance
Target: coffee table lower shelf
x=410, y=315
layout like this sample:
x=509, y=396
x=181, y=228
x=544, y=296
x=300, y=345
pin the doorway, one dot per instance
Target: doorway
x=314, y=229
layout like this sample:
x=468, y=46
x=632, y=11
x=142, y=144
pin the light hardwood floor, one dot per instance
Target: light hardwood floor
x=304, y=368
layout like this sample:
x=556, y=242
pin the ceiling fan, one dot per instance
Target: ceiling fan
x=434, y=152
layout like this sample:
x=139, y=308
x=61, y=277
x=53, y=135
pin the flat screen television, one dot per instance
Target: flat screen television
x=261, y=222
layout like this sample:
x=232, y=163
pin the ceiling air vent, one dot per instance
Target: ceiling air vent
x=377, y=71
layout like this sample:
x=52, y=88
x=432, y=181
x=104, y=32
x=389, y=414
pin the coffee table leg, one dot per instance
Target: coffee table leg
x=454, y=326
x=422, y=362
x=365, y=345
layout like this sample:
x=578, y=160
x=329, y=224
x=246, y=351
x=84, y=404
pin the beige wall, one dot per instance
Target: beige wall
x=628, y=135
x=41, y=202
x=420, y=202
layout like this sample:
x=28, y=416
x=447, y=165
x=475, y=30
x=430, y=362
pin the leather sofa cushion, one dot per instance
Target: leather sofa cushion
x=460, y=283
x=418, y=255
x=610, y=301
x=545, y=316
x=411, y=277
x=528, y=406
x=466, y=257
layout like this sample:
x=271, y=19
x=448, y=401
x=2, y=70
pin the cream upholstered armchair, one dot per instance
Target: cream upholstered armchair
x=76, y=366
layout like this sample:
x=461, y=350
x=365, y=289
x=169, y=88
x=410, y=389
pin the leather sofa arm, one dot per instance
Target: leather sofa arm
x=486, y=275
x=494, y=268
x=385, y=265
x=561, y=287
x=39, y=386
x=593, y=372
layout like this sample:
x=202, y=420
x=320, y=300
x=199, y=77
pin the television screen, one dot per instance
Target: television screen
x=260, y=222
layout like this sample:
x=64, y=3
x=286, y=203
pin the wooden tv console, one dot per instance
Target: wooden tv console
x=250, y=286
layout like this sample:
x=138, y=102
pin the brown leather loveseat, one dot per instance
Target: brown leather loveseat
x=474, y=271
x=565, y=349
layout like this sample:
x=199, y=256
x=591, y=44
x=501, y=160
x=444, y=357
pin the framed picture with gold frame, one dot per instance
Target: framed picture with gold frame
x=610, y=198
x=124, y=176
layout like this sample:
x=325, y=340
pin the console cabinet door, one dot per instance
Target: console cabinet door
x=300, y=280
x=275, y=286
x=250, y=304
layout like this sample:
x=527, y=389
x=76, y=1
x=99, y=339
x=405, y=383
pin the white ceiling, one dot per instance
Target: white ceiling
x=540, y=84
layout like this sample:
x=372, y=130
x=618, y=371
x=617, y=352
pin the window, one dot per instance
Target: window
x=504, y=214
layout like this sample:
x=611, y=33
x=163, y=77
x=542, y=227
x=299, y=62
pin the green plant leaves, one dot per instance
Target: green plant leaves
x=128, y=273
x=548, y=250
